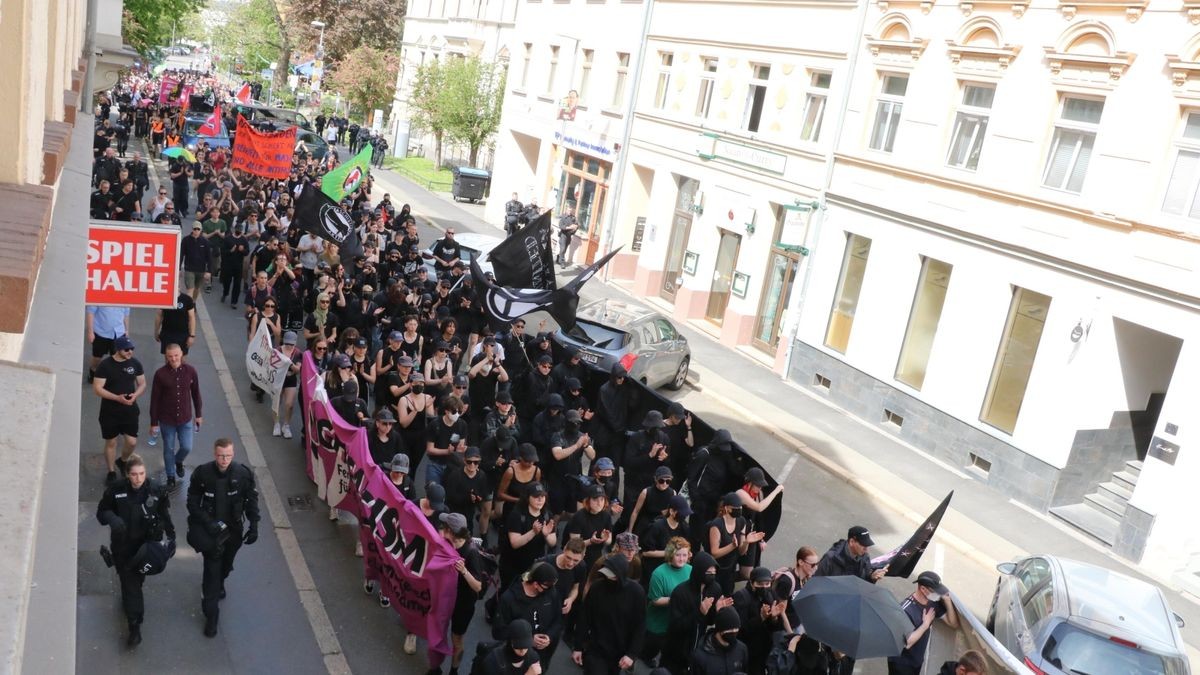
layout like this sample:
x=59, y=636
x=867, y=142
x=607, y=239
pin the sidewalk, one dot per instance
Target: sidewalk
x=982, y=524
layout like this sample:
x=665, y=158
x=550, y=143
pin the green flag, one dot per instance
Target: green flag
x=346, y=178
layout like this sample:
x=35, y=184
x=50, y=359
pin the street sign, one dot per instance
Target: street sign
x=132, y=265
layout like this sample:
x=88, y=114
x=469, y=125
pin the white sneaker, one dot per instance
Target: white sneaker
x=287, y=431
x=410, y=644
x=385, y=603
x=368, y=587
x=333, y=513
x=358, y=549
x=275, y=431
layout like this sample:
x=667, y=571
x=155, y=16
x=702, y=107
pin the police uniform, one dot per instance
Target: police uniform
x=218, y=504
x=135, y=516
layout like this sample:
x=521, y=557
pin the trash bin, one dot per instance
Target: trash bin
x=470, y=183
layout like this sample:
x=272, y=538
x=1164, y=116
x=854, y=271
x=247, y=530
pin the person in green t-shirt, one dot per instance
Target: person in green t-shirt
x=213, y=227
x=662, y=582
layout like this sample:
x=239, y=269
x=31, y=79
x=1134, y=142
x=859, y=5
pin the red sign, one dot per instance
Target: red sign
x=132, y=266
x=263, y=153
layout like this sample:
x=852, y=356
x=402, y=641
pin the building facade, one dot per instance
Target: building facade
x=440, y=29
x=571, y=74
x=728, y=158
x=1006, y=271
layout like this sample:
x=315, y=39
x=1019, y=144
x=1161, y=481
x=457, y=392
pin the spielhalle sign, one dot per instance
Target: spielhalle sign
x=132, y=266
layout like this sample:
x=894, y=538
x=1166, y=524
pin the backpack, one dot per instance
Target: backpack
x=780, y=660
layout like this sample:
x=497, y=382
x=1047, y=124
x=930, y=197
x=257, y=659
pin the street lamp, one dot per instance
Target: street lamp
x=318, y=58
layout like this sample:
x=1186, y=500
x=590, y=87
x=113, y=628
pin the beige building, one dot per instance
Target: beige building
x=44, y=186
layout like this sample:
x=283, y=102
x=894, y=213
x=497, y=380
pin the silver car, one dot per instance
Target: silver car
x=644, y=341
x=1066, y=617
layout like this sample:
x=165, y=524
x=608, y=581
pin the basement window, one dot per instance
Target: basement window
x=979, y=465
x=892, y=419
x=821, y=382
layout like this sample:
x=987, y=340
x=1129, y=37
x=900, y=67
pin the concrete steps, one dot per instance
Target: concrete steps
x=1099, y=515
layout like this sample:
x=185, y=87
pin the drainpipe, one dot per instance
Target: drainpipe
x=89, y=47
x=618, y=179
x=818, y=218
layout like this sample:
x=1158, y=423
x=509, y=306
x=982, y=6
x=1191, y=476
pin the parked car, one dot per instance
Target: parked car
x=644, y=341
x=282, y=118
x=191, y=127
x=472, y=246
x=318, y=147
x=1064, y=617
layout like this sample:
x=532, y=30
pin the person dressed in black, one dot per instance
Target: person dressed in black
x=512, y=213
x=222, y=499
x=849, y=557
x=535, y=598
x=593, y=523
x=929, y=602
x=467, y=487
x=645, y=452
x=616, y=400
x=177, y=325
x=384, y=441
x=709, y=473
x=137, y=511
x=567, y=225
x=398, y=470
x=515, y=657
x=729, y=537
x=453, y=527
x=721, y=652
x=693, y=607
x=612, y=621
x=446, y=252
x=529, y=533
x=234, y=247
x=762, y=615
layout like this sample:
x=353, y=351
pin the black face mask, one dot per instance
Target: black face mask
x=735, y=511
x=710, y=578
x=571, y=427
x=602, y=479
x=418, y=390
x=727, y=641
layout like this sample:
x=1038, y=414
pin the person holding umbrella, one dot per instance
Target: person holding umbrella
x=929, y=602
x=720, y=652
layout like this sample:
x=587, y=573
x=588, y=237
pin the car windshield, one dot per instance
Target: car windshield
x=192, y=128
x=600, y=337
x=1074, y=650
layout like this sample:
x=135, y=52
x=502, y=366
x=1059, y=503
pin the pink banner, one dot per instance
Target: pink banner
x=402, y=551
x=168, y=90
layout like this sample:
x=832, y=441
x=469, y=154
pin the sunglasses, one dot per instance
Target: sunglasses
x=195, y=229
x=663, y=481
x=271, y=305
x=323, y=302
x=319, y=349
x=472, y=461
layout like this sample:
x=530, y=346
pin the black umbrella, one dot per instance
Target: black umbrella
x=853, y=616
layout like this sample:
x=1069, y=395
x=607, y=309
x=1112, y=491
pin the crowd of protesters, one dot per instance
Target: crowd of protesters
x=580, y=520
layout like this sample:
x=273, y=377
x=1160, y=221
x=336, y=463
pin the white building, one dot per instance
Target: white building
x=1007, y=270
x=558, y=150
x=437, y=29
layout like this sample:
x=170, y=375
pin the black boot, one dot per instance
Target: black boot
x=135, y=634
x=210, y=627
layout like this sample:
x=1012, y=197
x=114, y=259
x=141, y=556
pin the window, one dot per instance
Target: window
x=845, y=301
x=663, y=89
x=756, y=96
x=553, y=68
x=1014, y=360
x=1038, y=606
x=585, y=73
x=887, y=112
x=708, y=79
x=923, y=322
x=1074, y=135
x=665, y=330
x=1184, y=188
x=814, y=106
x=528, y=56
x=622, y=74
x=970, y=126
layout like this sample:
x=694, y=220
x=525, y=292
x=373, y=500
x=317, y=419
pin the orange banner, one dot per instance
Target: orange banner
x=131, y=266
x=263, y=153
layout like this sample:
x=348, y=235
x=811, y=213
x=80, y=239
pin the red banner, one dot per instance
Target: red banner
x=263, y=153
x=132, y=266
x=402, y=550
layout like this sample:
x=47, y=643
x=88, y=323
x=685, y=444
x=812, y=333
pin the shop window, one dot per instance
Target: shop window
x=845, y=300
x=923, y=322
x=1014, y=360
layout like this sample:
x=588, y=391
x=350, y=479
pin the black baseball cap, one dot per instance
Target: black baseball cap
x=520, y=634
x=933, y=581
x=860, y=534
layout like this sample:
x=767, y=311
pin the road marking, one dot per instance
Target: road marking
x=787, y=468
x=939, y=558
x=318, y=619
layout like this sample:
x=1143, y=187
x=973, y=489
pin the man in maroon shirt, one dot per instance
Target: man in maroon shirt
x=175, y=389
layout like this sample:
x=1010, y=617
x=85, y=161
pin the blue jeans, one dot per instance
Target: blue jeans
x=434, y=471
x=171, y=434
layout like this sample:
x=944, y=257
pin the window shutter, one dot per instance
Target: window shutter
x=1060, y=157
x=1079, y=171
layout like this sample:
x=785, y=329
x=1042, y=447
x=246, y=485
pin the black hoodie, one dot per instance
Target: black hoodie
x=612, y=622
x=687, y=624
x=543, y=612
x=712, y=658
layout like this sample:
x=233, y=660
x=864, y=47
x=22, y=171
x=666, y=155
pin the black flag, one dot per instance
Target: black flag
x=902, y=561
x=320, y=215
x=525, y=260
x=507, y=304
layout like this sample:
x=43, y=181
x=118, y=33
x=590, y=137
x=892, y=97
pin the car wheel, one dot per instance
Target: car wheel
x=681, y=374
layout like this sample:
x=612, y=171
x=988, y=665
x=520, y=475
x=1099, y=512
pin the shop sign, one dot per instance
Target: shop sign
x=710, y=146
x=132, y=266
x=586, y=143
x=639, y=232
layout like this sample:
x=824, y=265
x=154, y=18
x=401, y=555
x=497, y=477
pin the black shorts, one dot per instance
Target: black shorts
x=460, y=620
x=102, y=346
x=113, y=425
x=172, y=339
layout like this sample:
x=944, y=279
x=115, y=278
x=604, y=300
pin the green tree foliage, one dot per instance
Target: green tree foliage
x=348, y=26
x=367, y=77
x=424, y=102
x=470, y=100
x=146, y=24
x=256, y=34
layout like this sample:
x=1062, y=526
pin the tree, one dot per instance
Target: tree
x=255, y=33
x=367, y=76
x=146, y=24
x=348, y=26
x=470, y=99
x=426, y=106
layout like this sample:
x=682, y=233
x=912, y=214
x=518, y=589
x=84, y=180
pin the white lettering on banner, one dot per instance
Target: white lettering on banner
x=266, y=366
x=128, y=281
x=595, y=147
x=745, y=154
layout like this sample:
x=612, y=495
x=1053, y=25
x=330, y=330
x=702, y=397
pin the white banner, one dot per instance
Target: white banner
x=266, y=365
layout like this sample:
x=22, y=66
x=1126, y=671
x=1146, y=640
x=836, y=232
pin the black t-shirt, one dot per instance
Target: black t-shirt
x=120, y=377
x=383, y=451
x=175, y=321
x=519, y=521
x=728, y=560
x=573, y=465
x=587, y=524
x=445, y=436
x=474, y=562
x=331, y=324
x=656, y=538
x=461, y=490
x=567, y=578
x=483, y=385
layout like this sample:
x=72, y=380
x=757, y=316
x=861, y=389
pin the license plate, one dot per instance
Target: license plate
x=589, y=357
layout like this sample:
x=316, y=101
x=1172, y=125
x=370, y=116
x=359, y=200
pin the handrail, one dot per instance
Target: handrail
x=947, y=644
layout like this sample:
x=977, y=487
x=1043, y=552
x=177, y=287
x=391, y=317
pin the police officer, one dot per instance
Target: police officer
x=512, y=212
x=221, y=496
x=136, y=511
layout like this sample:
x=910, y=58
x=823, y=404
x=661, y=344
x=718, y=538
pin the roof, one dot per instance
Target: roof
x=1130, y=605
x=612, y=312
